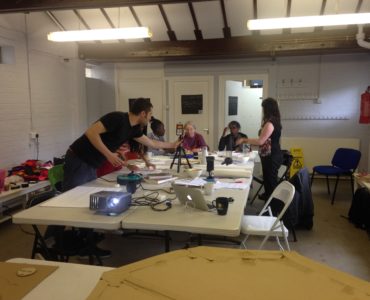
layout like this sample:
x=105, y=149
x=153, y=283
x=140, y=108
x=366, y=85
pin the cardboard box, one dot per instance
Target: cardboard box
x=219, y=273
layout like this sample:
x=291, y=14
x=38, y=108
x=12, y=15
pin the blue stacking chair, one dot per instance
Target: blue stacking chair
x=344, y=163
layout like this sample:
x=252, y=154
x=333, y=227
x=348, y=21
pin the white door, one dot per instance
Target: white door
x=191, y=99
x=248, y=110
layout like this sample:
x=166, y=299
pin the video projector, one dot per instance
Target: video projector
x=109, y=202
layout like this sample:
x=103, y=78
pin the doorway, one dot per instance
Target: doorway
x=190, y=99
x=240, y=100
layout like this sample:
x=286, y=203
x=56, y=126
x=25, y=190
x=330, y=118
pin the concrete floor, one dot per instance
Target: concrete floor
x=332, y=241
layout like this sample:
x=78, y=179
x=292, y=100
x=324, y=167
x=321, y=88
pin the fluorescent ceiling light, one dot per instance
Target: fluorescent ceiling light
x=100, y=34
x=309, y=21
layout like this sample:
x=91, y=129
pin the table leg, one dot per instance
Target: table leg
x=39, y=244
x=167, y=241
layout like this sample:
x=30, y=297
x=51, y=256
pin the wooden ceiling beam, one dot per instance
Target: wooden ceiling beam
x=197, y=31
x=42, y=5
x=171, y=34
x=226, y=29
x=110, y=22
x=337, y=41
x=54, y=19
x=255, y=16
x=322, y=10
x=138, y=22
x=287, y=15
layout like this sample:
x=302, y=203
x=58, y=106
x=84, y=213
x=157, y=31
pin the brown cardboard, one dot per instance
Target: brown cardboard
x=13, y=287
x=219, y=273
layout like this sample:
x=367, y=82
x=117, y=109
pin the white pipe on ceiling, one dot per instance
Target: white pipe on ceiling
x=360, y=37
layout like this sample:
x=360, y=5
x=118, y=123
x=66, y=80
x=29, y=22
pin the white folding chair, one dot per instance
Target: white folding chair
x=269, y=225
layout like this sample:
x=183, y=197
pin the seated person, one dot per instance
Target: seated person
x=192, y=140
x=157, y=134
x=229, y=141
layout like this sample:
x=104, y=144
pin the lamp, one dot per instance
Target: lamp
x=309, y=21
x=100, y=34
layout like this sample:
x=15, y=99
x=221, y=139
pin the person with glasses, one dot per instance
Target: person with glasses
x=228, y=142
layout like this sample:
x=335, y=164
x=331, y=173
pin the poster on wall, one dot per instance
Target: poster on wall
x=132, y=100
x=191, y=104
x=233, y=105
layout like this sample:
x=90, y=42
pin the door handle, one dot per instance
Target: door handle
x=206, y=130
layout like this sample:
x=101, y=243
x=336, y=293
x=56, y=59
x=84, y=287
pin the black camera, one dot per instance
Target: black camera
x=210, y=167
x=210, y=163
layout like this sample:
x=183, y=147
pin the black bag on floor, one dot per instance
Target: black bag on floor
x=359, y=213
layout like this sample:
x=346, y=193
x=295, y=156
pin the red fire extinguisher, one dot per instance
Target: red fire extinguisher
x=365, y=107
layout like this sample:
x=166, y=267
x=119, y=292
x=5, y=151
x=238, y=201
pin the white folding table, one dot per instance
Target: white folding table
x=70, y=281
x=174, y=219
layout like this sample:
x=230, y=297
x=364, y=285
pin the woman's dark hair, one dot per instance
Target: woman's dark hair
x=155, y=124
x=234, y=123
x=141, y=104
x=271, y=111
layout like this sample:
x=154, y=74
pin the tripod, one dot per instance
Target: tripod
x=180, y=151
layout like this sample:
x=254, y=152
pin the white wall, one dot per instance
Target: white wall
x=141, y=80
x=39, y=91
x=100, y=92
x=339, y=81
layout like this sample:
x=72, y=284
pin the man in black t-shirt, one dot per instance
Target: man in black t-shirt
x=99, y=143
x=103, y=138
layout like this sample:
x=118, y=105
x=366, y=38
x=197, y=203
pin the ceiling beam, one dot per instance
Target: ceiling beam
x=41, y=5
x=255, y=16
x=171, y=34
x=226, y=29
x=337, y=41
x=138, y=22
x=54, y=19
x=287, y=15
x=197, y=31
x=322, y=10
x=110, y=22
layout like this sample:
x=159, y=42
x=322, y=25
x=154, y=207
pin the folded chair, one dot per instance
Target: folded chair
x=269, y=225
x=344, y=163
x=283, y=172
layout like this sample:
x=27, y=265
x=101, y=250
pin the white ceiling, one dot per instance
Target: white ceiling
x=208, y=15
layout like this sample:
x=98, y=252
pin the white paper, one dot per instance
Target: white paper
x=230, y=185
x=77, y=197
x=191, y=182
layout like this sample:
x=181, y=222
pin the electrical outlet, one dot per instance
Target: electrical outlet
x=33, y=135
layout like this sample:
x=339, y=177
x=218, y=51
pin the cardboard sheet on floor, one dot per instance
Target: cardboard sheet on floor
x=15, y=287
x=219, y=273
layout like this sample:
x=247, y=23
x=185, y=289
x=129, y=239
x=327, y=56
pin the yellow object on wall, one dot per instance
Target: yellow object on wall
x=297, y=162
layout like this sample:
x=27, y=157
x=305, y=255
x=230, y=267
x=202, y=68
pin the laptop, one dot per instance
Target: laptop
x=192, y=197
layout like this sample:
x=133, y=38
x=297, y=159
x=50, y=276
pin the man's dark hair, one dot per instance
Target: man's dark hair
x=155, y=124
x=141, y=104
x=234, y=123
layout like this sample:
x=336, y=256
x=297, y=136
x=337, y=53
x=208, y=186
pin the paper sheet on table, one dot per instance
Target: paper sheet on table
x=77, y=197
x=191, y=182
x=230, y=185
x=112, y=177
